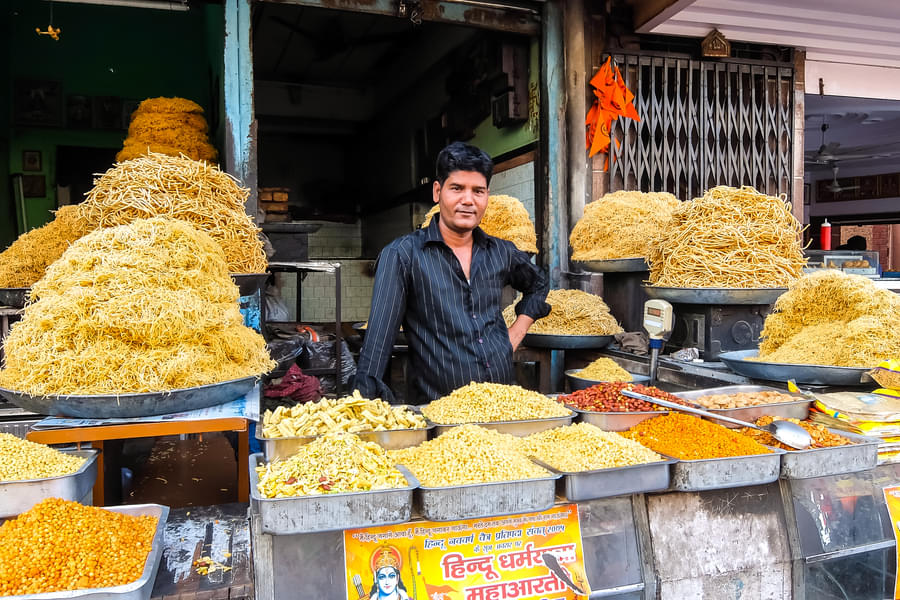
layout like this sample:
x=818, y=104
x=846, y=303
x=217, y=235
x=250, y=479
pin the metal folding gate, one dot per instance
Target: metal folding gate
x=704, y=123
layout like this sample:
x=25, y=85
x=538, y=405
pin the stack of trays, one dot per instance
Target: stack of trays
x=475, y=500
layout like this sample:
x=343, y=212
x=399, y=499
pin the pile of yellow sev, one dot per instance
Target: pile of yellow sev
x=832, y=318
x=172, y=126
x=143, y=307
x=604, y=369
x=157, y=185
x=26, y=259
x=622, y=224
x=729, y=238
x=573, y=312
x=505, y=218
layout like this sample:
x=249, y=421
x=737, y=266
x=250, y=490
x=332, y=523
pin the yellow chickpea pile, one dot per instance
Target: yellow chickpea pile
x=491, y=402
x=60, y=545
x=584, y=447
x=467, y=454
x=21, y=459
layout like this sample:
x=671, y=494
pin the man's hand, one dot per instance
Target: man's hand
x=518, y=330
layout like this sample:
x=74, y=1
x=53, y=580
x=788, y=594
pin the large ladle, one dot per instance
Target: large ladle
x=789, y=434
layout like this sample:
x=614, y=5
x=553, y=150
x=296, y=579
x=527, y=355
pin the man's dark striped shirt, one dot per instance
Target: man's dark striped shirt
x=454, y=328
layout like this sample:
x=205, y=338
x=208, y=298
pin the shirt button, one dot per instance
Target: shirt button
x=480, y=340
x=474, y=317
x=487, y=364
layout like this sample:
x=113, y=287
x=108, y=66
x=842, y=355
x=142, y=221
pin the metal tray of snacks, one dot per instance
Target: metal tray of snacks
x=14, y=297
x=517, y=428
x=17, y=497
x=139, y=589
x=614, y=421
x=580, y=383
x=729, y=472
x=683, y=295
x=566, y=342
x=616, y=481
x=331, y=512
x=798, y=409
x=614, y=265
x=476, y=500
x=814, y=374
x=393, y=439
x=110, y=406
x=833, y=460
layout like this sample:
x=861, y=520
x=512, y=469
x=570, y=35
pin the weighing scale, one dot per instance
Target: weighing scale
x=658, y=320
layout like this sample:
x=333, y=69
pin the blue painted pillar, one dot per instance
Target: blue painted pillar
x=240, y=120
x=554, y=99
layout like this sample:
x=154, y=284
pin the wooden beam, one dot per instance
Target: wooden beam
x=649, y=14
x=797, y=207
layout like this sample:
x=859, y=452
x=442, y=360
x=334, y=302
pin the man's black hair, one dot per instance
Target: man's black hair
x=856, y=242
x=463, y=157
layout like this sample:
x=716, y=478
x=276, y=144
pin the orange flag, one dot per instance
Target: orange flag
x=613, y=100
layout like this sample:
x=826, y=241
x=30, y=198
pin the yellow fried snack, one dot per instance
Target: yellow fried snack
x=490, y=402
x=351, y=414
x=334, y=463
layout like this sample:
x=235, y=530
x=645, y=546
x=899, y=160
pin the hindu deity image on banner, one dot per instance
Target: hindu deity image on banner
x=534, y=555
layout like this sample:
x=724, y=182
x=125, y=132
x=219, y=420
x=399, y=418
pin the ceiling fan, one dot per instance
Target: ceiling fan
x=830, y=153
x=834, y=186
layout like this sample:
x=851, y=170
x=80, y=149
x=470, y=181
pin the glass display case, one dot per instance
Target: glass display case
x=858, y=262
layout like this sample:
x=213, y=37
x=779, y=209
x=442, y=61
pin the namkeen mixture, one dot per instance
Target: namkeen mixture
x=604, y=369
x=832, y=318
x=505, y=218
x=743, y=399
x=573, y=312
x=331, y=464
x=622, y=224
x=821, y=437
x=467, y=454
x=21, y=459
x=491, y=402
x=691, y=438
x=62, y=546
x=351, y=414
x=729, y=238
x=584, y=447
x=143, y=307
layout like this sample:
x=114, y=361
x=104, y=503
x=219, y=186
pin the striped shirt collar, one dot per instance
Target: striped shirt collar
x=433, y=234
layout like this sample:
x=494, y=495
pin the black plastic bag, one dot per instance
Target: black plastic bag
x=320, y=355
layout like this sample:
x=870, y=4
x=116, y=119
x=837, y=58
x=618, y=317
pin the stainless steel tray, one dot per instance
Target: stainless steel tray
x=14, y=297
x=616, y=481
x=815, y=374
x=139, y=589
x=477, y=500
x=331, y=512
x=17, y=497
x=798, y=409
x=132, y=405
x=517, y=428
x=614, y=421
x=714, y=295
x=566, y=342
x=389, y=440
x=580, y=383
x=819, y=462
x=733, y=471
x=614, y=265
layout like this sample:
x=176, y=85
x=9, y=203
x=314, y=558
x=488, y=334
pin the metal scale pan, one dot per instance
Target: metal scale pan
x=112, y=406
x=14, y=297
x=614, y=265
x=566, y=342
x=682, y=295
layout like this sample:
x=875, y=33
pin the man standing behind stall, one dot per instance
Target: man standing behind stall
x=443, y=284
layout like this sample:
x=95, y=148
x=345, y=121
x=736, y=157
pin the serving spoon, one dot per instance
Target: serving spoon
x=789, y=434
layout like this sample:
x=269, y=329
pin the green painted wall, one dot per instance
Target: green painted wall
x=130, y=53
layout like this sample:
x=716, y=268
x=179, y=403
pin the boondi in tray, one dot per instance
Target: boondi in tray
x=691, y=438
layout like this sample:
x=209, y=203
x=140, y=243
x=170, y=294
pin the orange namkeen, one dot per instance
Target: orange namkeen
x=691, y=438
x=60, y=545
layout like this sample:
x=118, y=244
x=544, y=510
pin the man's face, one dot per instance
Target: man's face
x=463, y=199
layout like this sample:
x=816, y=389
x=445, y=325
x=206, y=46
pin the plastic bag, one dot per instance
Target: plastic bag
x=320, y=355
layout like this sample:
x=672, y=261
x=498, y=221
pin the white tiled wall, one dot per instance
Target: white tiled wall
x=318, y=293
x=336, y=240
x=517, y=182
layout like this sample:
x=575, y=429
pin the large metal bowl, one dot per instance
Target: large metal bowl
x=681, y=295
x=112, y=406
x=580, y=383
x=566, y=342
x=813, y=374
x=614, y=265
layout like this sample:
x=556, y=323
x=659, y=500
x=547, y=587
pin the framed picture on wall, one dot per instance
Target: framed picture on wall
x=34, y=186
x=37, y=103
x=107, y=112
x=78, y=111
x=31, y=160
